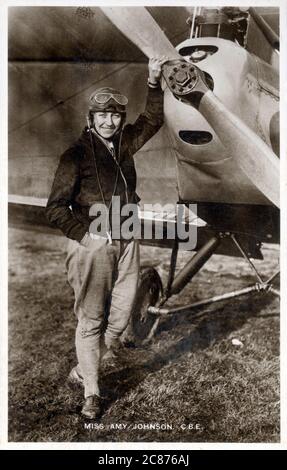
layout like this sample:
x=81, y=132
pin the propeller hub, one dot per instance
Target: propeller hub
x=186, y=81
x=182, y=77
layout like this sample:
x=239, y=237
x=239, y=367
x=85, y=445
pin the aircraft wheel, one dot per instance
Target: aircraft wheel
x=141, y=322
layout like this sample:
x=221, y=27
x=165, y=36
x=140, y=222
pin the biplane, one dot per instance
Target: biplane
x=219, y=146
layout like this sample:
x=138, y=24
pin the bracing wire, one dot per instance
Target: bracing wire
x=62, y=102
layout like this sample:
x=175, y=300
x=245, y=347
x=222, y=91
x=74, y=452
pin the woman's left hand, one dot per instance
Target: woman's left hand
x=155, y=68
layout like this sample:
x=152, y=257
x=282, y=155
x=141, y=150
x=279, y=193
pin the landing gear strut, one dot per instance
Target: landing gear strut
x=151, y=314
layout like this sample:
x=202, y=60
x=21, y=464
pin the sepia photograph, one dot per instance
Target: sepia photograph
x=144, y=223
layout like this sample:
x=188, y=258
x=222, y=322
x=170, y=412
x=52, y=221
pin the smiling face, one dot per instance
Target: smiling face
x=107, y=123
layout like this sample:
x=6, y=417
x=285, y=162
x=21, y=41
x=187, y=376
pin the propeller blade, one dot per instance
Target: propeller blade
x=253, y=156
x=139, y=26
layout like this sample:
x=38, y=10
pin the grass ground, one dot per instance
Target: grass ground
x=191, y=382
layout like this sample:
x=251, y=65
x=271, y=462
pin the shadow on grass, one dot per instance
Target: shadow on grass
x=214, y=324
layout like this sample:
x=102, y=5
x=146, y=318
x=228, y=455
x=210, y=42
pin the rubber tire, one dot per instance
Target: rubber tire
x=141, y=322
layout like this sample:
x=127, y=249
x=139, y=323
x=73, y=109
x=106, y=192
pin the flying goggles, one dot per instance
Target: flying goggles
x=103, y=98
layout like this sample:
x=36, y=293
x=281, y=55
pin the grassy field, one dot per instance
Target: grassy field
x=191, y=384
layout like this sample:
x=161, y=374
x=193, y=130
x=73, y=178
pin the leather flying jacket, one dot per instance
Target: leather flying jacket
x=76, y=186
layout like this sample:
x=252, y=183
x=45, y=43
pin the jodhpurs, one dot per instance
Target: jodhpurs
x=104, y=278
